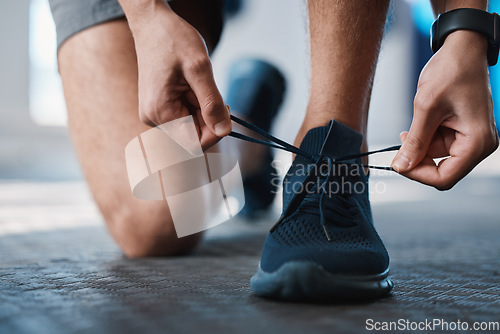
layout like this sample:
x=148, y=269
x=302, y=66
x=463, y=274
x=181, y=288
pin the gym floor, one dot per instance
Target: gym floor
x=60, y=272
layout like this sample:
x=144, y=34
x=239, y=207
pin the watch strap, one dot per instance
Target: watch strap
x=472, y=19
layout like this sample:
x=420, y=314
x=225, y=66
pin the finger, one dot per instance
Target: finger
x=416, y=143
x=449, y=171
x=213, y=110
x=207, y=138
x=439, y=146
x=192, y=100
x=443, y=176
x=166, y=112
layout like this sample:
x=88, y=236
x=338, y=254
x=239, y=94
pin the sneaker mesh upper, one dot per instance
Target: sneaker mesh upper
x=355, y=247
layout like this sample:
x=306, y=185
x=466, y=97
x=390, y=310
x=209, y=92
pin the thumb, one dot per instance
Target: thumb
x=213, y=109
x=415, y=144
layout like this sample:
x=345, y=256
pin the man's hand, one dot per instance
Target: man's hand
x=453, y=115
x=175, y=73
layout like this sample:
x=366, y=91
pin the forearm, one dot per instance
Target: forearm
x=140, y=11
x=443, y=6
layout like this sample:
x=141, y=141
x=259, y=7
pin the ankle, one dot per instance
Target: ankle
x=316, y=119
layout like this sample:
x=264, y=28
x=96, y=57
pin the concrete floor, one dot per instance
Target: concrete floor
x=62, y=273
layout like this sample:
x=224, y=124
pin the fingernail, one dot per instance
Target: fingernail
x=400, y=163
x=222, y=128
x=395, y=166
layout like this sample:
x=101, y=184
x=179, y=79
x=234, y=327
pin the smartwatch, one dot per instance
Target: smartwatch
x=476, y=20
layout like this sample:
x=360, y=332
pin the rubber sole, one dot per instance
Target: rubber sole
x=308, y=281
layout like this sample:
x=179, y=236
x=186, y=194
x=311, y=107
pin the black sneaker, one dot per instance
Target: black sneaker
x=256, y=91
x=325, y=247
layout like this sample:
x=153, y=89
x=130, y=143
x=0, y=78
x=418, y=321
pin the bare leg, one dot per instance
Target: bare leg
x=99, y=72
x=345, y=40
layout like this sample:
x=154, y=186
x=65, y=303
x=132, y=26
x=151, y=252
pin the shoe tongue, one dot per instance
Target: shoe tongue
x=335, y=139
x=313, y=141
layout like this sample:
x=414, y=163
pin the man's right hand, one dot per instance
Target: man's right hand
x=175, y=73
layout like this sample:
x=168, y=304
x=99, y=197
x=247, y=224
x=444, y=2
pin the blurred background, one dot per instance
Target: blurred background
x=34, y=142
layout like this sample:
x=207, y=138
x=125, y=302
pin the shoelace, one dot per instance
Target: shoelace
x=317, y=160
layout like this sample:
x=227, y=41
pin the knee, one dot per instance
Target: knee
x=146, y=229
